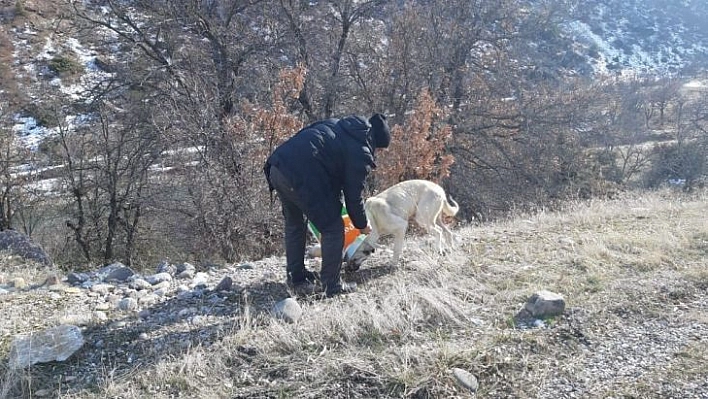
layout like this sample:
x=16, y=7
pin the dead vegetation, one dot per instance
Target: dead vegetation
x=632, y=270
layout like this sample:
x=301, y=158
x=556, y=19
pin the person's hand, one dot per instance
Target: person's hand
x=365, y=230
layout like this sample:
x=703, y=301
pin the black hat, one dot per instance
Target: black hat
x=380, y=132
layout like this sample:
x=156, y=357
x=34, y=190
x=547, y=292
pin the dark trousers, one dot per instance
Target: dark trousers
x=331, y=239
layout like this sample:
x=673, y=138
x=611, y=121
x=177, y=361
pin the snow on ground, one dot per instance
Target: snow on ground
x=30, y=132
x=695, y=85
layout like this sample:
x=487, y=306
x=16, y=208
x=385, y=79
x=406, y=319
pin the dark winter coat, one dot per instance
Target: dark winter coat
x=324, y=160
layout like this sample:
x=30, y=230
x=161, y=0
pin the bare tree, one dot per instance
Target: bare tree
x=107, y=162
x=664, y=95
x=10, y=160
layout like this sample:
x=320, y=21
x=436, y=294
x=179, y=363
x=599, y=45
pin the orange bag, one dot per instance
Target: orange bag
x=350, y=232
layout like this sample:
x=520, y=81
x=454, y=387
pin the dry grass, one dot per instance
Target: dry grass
x=633, y=272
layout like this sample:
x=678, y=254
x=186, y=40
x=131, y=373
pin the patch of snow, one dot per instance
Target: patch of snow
x=45, y=185
x=28, y=169
x=694, y=84
x=48, y=51
x=184, y=150
x=29, y=132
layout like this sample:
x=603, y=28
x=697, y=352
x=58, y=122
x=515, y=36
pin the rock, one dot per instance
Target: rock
x=545, y=304
x=245, y=266
x=56, y=288
x=72, y=290
x=200, y=279
x=465, y=379
x=166, y=267
x=77, y=319
x=140, y=284
x=314, y=251
x=225, y=284
x=288, y=309
x=163, y=286
x=77, y=278
x=158, y=278
x=186, y=267
x=99, y=315
x=187, y=312
x=52, y=279
x=148, y=299
x=54, y=344
x=185, y=275
x=102, y=288
x=18, y=283
x=116, y=273
x=21, y=245
x=127, y=304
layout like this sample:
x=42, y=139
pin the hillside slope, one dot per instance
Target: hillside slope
x=632, y=271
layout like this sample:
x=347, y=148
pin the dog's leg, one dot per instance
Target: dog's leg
x=434, y=230
x=439, y=234
x=448, y=234
x=399, y=226
x=372, y=238
x=427, y=216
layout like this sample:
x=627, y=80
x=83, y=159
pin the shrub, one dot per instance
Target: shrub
x=683, y=163
x=44, y=116
x=64, y=65
x=20, y=8
x=418, y=147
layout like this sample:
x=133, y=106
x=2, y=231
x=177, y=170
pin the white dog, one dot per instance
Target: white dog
x=389, y=212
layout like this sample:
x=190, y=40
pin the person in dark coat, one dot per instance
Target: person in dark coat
x=310, y=172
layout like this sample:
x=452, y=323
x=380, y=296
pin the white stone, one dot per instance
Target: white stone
x=140, y=284
x=158, y=278
x=200, y=278
x=465, y=379
x=101, y=288
x=288, y=309
x=54, y=344
x=127, y=304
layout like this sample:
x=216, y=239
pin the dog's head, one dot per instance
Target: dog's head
x=362, y=252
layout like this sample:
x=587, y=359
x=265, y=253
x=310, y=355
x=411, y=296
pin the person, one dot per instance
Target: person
x=309, y=172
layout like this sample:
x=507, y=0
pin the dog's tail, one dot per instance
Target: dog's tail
x=450, y=207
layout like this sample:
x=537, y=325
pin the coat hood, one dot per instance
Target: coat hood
x=359, y=129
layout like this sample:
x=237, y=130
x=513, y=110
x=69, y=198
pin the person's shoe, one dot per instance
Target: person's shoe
x=304, y=288
x=341, y=289
x=308, y=276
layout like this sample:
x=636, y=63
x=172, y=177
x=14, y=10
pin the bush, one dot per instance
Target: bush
x=64, y=65
x=682, y=164
x=20, y=8
x=43, y=115
x=418, y=148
